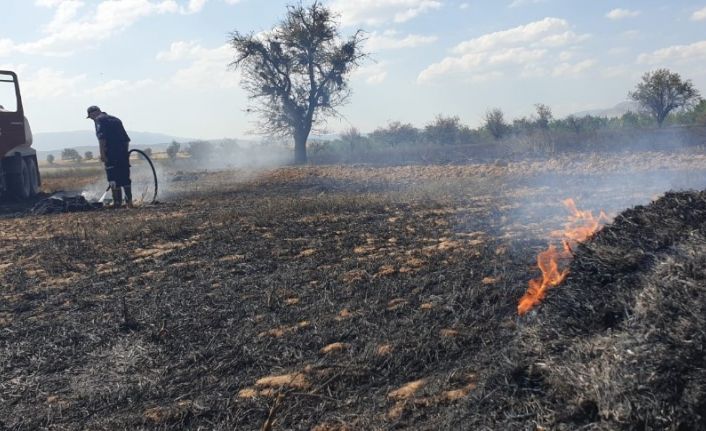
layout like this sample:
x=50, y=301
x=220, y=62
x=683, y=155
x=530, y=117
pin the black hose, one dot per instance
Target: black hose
x=154, y=172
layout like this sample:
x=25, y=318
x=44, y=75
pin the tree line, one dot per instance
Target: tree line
x=297, y=75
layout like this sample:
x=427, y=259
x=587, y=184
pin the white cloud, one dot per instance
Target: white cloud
x=48, y=3
x=391, y=39
x=180, y=51
x=529, y=50
x=194, y=6
x=48, y=83
x=617, y=14
x=118, y=87
x=207, y=66
x=568, y=69
x=377, y=12
x=518, y=3
x=546, y=33
x=6, y=47
x=372, y=74
x=78, y=24
x=66, y=11
x=677, y=53
x=615, y=72
x=699, y=15
x=464, y=6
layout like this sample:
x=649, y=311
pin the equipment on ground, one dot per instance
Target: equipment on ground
x=19, y=170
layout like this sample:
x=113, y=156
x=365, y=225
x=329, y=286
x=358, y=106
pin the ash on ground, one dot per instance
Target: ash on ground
x=63, y=202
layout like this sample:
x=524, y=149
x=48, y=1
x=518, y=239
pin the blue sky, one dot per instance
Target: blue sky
x=161, y=65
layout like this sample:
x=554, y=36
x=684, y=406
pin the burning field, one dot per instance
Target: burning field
x=347, y=298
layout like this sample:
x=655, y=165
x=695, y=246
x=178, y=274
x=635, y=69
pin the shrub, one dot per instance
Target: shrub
x=495, y=123
x=443, y=130
x=70, y=154
x=173, y=150
x=395, y=133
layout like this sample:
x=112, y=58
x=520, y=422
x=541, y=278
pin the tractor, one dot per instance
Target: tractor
x=19, y=170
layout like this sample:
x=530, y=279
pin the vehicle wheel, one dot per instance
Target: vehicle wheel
x=33, y=176
x=19, y=184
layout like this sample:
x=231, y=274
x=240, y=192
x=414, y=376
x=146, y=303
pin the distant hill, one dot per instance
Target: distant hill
x=57, y=141
x=616, y=111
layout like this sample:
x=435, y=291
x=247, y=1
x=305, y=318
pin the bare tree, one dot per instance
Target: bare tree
x=297, y=72
x=661, y=92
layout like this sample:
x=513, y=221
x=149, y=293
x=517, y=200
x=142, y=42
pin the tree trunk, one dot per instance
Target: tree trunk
x=300, y=147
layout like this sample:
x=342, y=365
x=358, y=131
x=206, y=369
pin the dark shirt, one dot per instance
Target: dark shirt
x=112, y=131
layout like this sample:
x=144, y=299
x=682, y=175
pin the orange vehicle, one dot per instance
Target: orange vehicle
x=19, y=170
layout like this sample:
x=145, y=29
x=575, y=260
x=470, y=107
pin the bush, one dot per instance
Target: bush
x=70, y=154
x=200, y=150
x=544, y=116
x=395, y=133
x=88, y=155
x=50, y=159
x=495, y=123
x=443, y=130
x=173, y=150
x=353, y=140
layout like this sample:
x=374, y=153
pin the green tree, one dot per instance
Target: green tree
x=395, y=133
x=694, y=116
x=495, y=123
x=70, y=154
x=148, y=151
x=661, y=92
x=353, y=140
x=444, y=130
x=88, y=155
x=50, y=159
x=297, y=73
x=544, y=116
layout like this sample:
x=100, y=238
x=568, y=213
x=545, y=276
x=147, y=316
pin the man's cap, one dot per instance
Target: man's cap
x=91, y=110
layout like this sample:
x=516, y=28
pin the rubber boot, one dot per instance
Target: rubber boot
x=117, y=197
x=128, y=196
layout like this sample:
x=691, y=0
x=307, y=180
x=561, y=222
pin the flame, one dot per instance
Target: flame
x=581, y=225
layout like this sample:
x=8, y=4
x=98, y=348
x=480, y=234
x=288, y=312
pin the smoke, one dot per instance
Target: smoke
x=198, y=159
x=188, y=172
x=609, y=182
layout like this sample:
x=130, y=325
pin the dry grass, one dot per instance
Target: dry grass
x=315, y=297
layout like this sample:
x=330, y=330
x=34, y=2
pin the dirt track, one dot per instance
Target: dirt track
x=327, y=297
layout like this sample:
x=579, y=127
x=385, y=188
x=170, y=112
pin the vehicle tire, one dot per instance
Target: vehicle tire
x=33, y=176
x=19, y=184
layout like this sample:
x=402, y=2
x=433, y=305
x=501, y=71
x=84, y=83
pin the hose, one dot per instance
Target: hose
x=154, y=172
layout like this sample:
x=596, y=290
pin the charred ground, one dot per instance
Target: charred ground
x=324, y=297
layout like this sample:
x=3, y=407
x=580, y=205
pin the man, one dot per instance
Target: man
x=113, y=142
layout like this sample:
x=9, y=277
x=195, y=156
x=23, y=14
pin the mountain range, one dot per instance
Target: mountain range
x=57, y=141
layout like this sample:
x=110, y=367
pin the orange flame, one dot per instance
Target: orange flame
x=581, y=225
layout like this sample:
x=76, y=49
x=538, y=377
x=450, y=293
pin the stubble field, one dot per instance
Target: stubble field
x=325, y=298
